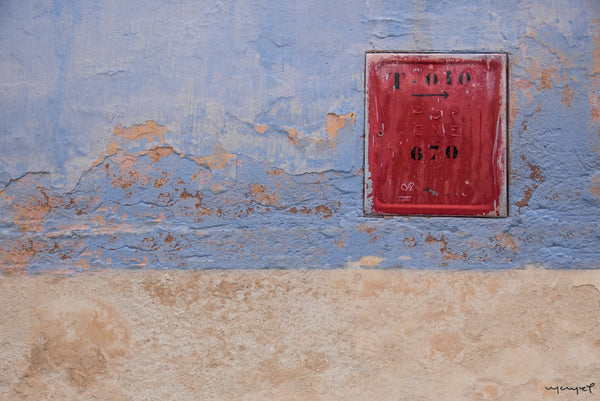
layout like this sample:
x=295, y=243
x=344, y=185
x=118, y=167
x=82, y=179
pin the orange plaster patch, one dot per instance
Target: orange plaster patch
x=340, y=242
x=528, y=193
x=454, y=256
x=594, y=99
x=293, y=136
x=567, y=94
x=260, y=195
x=202, y=177
x=158, y=152
x=524, y=86
x=534, y=69
x=218, y=160
x=149, y=130
x=595, y=187
x=507, y=242
x=366, y=261
x=159, y=182
x=334, y=122
x=323, y=211
x=83, y=264
x=430, y=240
x=18, y=255
x=261, y=128
x=547, y=78
x=536, y=173
x=29, y=213
x=111, y=149
x=596, y=54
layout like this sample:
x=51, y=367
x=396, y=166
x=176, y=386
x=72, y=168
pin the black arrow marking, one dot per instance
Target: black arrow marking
x=444, y=94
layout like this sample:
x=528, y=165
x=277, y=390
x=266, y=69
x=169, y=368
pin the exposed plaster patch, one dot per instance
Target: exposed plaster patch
x=293, y=136
x=567, y=94
x=158, y=152
x=454, y=255
x=126, y=176
x=263, y=197
x=535, y=175
x=261, y=128
x=201, y=209
x=507, y=242
x=430, y=240
x=323, y=211
x=522, y=86
x=526, y=197
x=148, y=130
x=300, y=140
x=371, y=230
x=334, y=122
x=31, y=211
x=16, y=257
x=111, y=149
x=409, y=242
x=546, y=78
x=595, y=187
x=596, y=53
x=446, y=254
x=366, y=261
x=594, y=99
x=220, y=158
x=540, y=76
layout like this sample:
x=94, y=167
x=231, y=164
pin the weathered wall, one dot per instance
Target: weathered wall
x=313, y=335
x=189, y=135
x=229, y=134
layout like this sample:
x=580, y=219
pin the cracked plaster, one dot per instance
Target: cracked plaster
x=249, y=153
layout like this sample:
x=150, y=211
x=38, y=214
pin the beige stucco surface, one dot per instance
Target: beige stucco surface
x=300, y=335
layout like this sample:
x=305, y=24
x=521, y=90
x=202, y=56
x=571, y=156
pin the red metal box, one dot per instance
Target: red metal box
x=435, y=140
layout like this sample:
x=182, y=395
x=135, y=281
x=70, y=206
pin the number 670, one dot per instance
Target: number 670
x=417, y=152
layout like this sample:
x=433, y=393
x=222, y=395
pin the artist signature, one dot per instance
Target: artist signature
x=576, y=389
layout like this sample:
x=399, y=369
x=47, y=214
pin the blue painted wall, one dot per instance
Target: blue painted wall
x=182, y=134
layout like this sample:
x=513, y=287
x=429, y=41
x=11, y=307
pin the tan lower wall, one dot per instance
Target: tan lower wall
x=300, y=335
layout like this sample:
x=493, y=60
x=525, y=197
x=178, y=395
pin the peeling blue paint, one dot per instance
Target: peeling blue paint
x=74, y=195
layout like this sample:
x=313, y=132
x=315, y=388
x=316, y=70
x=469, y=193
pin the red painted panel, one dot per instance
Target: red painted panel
x=436, y=134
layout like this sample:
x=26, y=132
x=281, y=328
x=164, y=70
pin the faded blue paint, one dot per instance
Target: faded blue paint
x=72, y=71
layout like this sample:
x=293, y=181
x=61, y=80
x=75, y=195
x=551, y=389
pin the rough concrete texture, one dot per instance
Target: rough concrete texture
x=197, y=135
x=301, y=335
